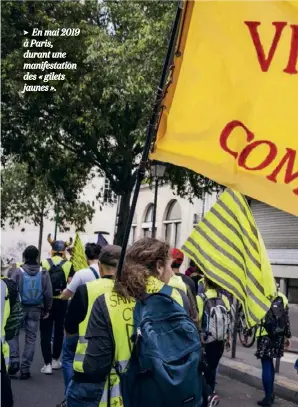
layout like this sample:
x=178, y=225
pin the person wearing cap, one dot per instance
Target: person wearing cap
x=178, y=258
x=58, y=311
x=77, y=319
x=183, y=283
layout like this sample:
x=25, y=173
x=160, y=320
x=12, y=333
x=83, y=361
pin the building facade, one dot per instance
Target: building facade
x=280, y=234
x=175, y=218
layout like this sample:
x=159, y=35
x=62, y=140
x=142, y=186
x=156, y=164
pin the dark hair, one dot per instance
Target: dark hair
x=31, y=253
x=110, y=255
x=176, y=264
x=140, y=263
x=92, y=251
x=211, y=284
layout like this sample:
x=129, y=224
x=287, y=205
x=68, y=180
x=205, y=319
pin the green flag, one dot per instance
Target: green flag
x=78, y=257
x=229, y=250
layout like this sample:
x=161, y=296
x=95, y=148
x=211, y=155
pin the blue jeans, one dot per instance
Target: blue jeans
x=268, y=375
x=31, y=320
x=68, y=354
x=84, y=394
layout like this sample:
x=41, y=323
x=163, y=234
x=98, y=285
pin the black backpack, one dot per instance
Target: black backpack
x=57, y=277
x=275, y=319
x=13, y=323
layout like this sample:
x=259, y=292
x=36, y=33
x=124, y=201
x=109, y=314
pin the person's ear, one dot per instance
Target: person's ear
x=160, y=267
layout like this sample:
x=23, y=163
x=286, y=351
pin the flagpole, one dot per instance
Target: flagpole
x=149, y=135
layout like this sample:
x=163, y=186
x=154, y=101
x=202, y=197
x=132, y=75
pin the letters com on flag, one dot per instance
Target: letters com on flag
x=228, y=248
x=231, y=110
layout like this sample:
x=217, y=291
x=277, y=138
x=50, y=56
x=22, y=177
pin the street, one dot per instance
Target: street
x=47, y=391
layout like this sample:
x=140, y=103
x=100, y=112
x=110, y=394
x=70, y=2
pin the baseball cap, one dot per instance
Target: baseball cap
x=177, y=255
x=58, y=246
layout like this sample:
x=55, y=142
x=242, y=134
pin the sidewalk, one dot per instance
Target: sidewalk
x=247, y=369
x=294, y=345
x=235, y=394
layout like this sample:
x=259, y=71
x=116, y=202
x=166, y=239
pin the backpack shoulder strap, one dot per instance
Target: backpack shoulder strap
x=94, y=272
x=51, y=263
x=62, y=262
x=166, y=290
x=185, y=300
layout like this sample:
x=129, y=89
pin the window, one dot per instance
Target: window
x=146, y=232
x=108, y=195
x=172, y=224
x=147, y=223
x=149, y=214
x=132, y=236
x=133, y=230
x=196, y=219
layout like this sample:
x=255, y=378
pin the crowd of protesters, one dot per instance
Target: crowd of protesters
x=155, y=337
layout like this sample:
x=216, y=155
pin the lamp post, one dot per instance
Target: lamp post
x=157, y=170
x=59, y=199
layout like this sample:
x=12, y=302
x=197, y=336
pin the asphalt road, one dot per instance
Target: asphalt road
x=47, y=391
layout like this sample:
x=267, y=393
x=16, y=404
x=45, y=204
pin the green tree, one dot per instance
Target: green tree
x=28, y=199
x=100, y=112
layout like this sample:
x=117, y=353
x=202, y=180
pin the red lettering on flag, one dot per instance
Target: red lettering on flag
x=253, y=29
x=290, y=175
x=226, y=133
x=266, y=161
x=293, y=59
x=288, y=161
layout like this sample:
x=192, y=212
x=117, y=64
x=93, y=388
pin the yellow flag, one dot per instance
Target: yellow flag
x=230, y=112
x=78, y=257
x=229, y=249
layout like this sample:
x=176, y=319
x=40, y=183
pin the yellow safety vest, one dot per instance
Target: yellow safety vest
x=261, y=331
x=202, y=281
x=121, y=314
x=5, y=312
x=177, y=282
x=65, y=267
x=211, y=293
x=94, y=290
x=18, y=265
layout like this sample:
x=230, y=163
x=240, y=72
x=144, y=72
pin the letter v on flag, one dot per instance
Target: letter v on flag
x=230, y=110
x=229, y=249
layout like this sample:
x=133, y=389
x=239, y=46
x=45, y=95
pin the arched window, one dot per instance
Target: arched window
x=133, y=230
x=147, y=223
x=172, y=224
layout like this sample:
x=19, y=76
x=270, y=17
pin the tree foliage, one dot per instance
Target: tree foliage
x=24, y=199
x=99, y=114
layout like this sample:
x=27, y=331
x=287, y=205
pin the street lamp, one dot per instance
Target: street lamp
x=59, y=199
x=157, y=170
